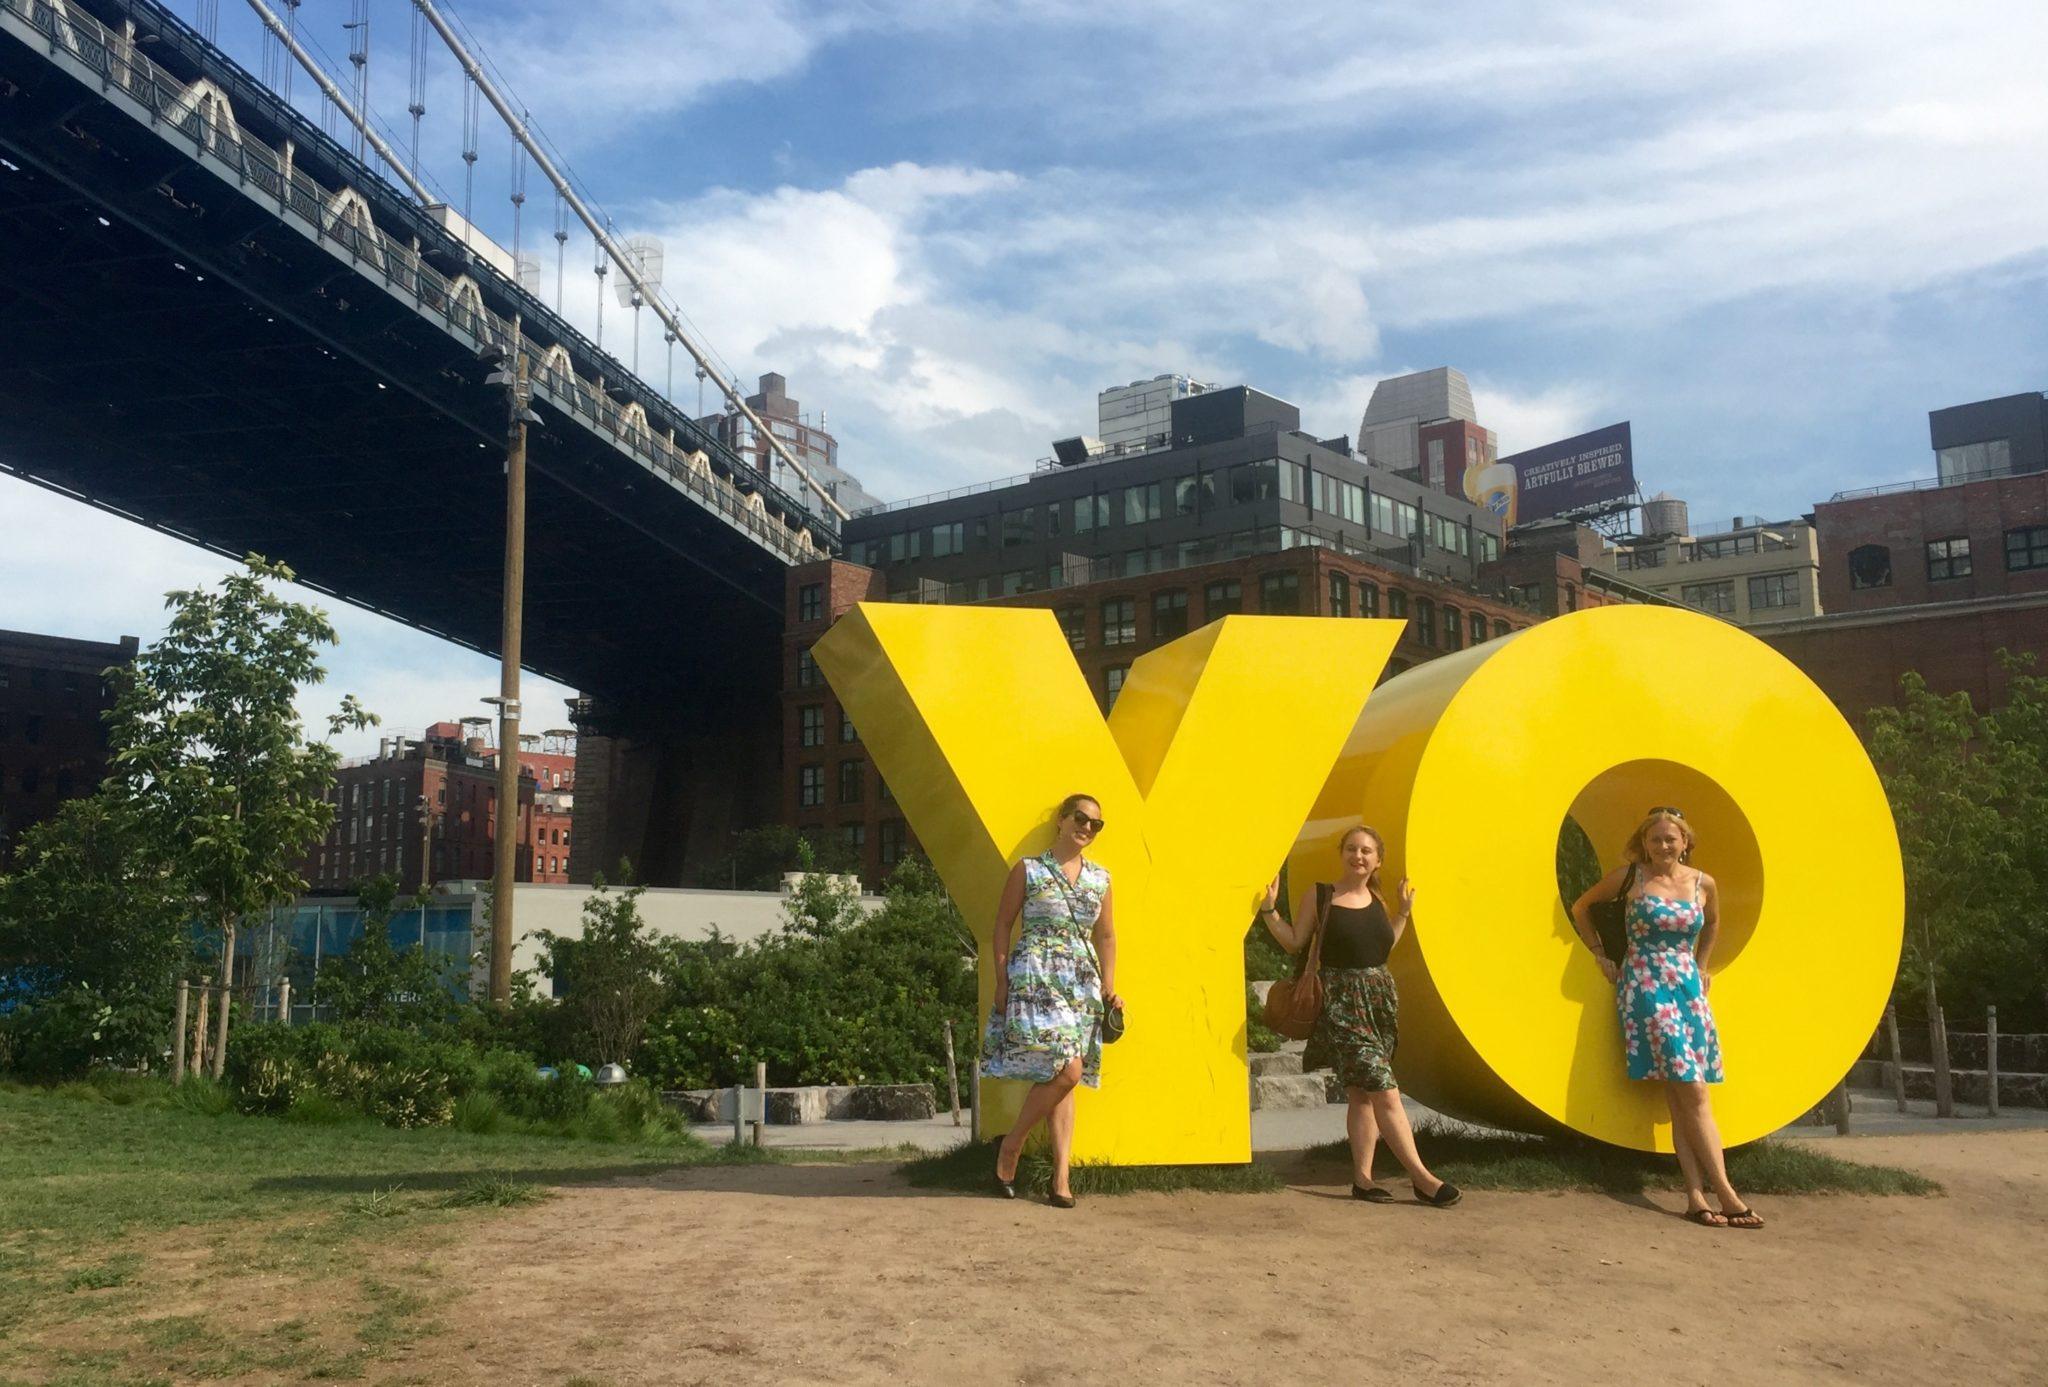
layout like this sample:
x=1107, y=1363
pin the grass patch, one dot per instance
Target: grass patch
x=971, y=1166
x=103, y=1276
x=495, y=1192
x=1504, y=1161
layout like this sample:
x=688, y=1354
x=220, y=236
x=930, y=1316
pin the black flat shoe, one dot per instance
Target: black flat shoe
x=1372, y=1194
x=1005, y=1189
x=1446, y=1195
x=1060, y=1201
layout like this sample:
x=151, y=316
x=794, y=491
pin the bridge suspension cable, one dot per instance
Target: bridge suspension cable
x=334, y=94
x=417, y=102
x=613, y=251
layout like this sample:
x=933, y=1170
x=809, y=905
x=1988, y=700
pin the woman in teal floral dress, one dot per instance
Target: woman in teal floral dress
x=1052, y=989
x=1358, y=1030
x=1667, y=1027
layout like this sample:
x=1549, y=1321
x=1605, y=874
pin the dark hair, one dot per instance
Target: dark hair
x=1073, y=802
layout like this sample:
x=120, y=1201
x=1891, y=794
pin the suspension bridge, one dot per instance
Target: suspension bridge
x=220, y=320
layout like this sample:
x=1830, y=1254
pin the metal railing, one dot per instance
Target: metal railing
x=1924, y=484
x=340, y=220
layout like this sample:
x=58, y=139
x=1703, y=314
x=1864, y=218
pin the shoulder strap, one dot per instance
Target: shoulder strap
x=1325, y=892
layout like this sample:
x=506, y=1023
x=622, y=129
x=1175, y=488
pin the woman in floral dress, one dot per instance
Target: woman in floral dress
x=1052, y=989
x=1357, y=1031
x=1673, y=913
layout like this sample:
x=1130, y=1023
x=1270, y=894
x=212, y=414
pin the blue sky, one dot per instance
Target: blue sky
x=1773, y=237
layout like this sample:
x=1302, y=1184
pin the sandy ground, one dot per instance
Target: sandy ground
x=842, y=1274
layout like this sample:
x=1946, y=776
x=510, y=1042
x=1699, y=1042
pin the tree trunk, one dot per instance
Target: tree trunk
x=1937, y=1040
x=227, y=992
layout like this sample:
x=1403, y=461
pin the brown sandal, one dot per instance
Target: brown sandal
x=1734, y=1219
x=1706, y=1218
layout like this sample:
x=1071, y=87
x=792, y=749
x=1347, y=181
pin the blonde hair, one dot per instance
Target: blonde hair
x=1638, y=854
x=1372, y=881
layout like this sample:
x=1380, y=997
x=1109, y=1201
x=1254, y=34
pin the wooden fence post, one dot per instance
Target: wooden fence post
x=220, y=1028
x=178, y=1033
x=761, y=1088
x=1937, y=1044
x=952, y=1074
x=284, y=1001
x=739, y=1105
x=1991, y=1060
x=1842, y=1107
x=1891, y=1030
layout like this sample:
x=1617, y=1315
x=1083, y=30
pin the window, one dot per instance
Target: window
x=1368, y=598
x=1397, y=604
x=1020, y=526
x=1974, y=460
x=1948, y=558
x=1254, y=481
x=1142, y=503
x=1489, y=547
x=1870, y=566
x=806, y=670
x=1340, y=595
x=1434, y=473
x=1627, y=559
x=883, y=792
x=1715, y=598
x=2027, y=548
x=1280, y=593
x=1091, y=513
x=810, y=786
x=1169, y=614
x=1221, y=599
x=1345, y=500
x=1294, y=482
x=1725, y=548
x=1478, y=629
x=810, y=723
x=1120, y=621
x=1425, y=621
x=906, y=544
x=1773, y=590
x=1019, y=580
x=1074, y=623
x=810, y=602
x=854, y=838
x=1500, y=628
x=1194, y=495
x=893, y=840
x=846, y=729
x=1571, y=597
x=949, y=539
x=1454, y=629
x=1113, y=684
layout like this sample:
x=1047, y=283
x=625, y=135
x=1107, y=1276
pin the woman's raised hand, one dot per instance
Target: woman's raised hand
x=1272, y=898
x=1407, y=896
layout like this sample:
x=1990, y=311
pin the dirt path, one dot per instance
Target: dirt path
x=841, y=1275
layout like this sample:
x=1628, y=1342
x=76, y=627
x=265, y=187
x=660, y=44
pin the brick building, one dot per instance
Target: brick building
x=549, y=760
x=1937, y=575
x=53, y=739
x=422, y=811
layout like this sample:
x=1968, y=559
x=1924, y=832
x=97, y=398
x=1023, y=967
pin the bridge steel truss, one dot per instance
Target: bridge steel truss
x=216, y=322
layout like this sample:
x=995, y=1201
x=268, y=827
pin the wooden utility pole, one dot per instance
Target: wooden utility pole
x=178, y=1033
x=505, y=832
x=952, y=1073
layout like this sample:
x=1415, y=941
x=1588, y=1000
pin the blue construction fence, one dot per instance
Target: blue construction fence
x=292, y=941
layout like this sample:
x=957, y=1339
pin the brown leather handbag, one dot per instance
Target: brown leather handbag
x=1294, y=1005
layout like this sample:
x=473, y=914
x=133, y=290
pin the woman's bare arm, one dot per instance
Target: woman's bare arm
x=1605, y=889
x=1710, y=926
x=1008, y=907
x=1289, y=935
x=1105, y=947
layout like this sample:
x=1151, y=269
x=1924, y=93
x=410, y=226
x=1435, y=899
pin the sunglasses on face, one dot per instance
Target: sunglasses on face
x=1092, y=825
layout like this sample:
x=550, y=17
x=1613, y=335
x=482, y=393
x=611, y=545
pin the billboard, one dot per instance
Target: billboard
x=1558, y=477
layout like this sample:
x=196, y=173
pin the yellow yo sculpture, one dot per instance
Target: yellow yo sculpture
x=981, y=723
x=1469, y=764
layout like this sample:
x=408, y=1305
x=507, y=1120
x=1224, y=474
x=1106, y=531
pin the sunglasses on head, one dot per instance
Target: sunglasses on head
x=1092, y=825
x=1666, y=809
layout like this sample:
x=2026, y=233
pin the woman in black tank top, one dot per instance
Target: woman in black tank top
x=1357, y=1032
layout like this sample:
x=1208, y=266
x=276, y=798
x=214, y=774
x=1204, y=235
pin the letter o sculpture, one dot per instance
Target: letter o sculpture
x=1469, y=764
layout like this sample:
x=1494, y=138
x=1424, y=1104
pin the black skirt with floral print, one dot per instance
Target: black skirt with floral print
x=1358, y=1029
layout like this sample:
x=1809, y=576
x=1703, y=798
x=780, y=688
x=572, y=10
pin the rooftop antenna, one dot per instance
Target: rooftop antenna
x=644, y=254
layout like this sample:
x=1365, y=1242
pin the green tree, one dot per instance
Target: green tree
x=376, y=983
x=1963, y=882
x=609, y=978
x=208, y=749
x=760, y=856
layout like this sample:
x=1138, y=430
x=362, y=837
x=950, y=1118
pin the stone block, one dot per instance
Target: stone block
x=1280, y=1062
x=892, y=1103
x=1288, y=1091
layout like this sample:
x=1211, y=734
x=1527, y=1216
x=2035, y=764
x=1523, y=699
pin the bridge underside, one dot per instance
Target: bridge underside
x=174, y=352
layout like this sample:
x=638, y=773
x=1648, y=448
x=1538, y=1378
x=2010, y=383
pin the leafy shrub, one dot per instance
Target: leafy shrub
x=271, y=1086
x=201, y=1095
x=407, y=1097
x=63, y=1035
x=316, y=1109
x=478, y=1114
x=1259, y=1038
